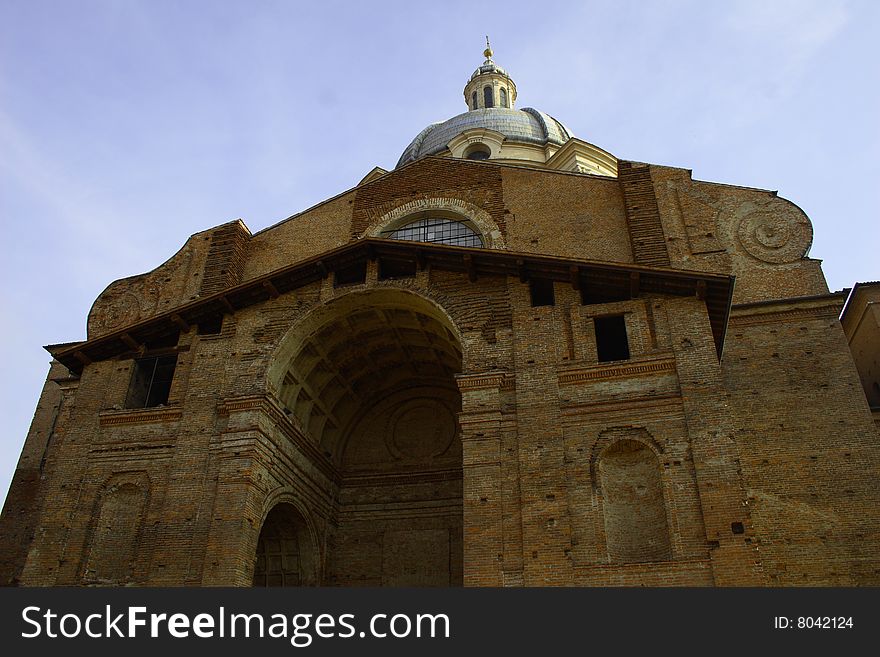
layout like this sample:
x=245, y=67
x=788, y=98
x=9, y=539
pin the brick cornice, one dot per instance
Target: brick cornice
x=592, y=373
x=787, y=310
x=481, y=381
x=114, y=418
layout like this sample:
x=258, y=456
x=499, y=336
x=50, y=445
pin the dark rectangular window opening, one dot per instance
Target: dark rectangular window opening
x=591, y=295
x=542, y=292
x=611, y=342
x=151, y=381
x=351, y=275
x=396, y=269
x=211, y=325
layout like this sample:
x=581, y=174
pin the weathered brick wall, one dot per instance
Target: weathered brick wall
x=22, y=508
x=764, y=465
x=753, y=234
x=810, y=459
x=226, y=257
x=566, y=215
x=174, y=282
x=643, y=216
x=479, y=184
x=318, y=229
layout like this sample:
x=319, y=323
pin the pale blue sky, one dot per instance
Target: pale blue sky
x=126, y=126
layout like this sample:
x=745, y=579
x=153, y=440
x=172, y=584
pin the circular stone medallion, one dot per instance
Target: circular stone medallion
x=777, y=237
x=421, y=429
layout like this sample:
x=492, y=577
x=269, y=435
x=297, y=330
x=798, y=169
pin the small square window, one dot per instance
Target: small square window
x=396, y=269
x=211, y=325
x=351, y=275
x=542, y=292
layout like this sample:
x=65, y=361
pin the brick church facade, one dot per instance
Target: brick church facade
x=513, y=360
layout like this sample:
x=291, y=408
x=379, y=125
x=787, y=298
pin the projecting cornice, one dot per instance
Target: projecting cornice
x=620, y=280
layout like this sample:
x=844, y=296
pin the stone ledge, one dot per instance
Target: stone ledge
x=592, y=373
x=112, y=418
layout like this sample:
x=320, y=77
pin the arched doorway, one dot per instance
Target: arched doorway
x=370, y=379
x=286, y=554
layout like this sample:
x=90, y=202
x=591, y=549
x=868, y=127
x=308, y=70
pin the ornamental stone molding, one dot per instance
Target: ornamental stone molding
x=777, y=233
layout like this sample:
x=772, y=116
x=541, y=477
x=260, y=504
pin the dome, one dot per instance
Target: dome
x=489, y=67
x=494, y=128
x=526, y=126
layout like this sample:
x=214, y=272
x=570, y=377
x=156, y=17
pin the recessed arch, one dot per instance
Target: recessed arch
x=286, y=552
x=369, y=377
x=633, y=504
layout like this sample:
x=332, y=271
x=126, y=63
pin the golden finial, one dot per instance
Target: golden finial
x=487, y=53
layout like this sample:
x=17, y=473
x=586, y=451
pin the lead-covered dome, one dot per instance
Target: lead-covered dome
x=527, y=126
x=493, y=128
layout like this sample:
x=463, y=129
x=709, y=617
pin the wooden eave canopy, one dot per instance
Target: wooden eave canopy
x=607, y=279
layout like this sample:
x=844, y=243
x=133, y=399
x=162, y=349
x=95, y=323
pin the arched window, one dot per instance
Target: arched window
x=488, y=101
x=504, y=97
x=478, y=152
x=635, y=513
x=437, y=230
x=474, y=100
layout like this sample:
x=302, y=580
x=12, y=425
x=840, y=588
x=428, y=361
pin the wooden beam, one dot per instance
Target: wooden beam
x=701, y=290
x=446, y=258
x=471, y=269
x=82, y=358
x=181, y=323
x=574, y=273
x=130, y=342
x=322, y=268
x=273, y=291
x=634, y=282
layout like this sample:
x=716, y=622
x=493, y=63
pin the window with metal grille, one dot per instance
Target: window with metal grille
x=437, y=230
x=151, y=381
x=488, y=99
x=504, y=97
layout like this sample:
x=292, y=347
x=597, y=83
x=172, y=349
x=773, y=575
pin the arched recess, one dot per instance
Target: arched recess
x=286, y=553
x=633, y=504
x=452, y=208
x=370, y=379
x=115, y=532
